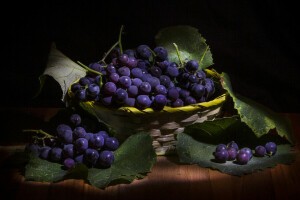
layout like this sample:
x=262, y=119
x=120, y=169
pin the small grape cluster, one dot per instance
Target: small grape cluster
x=132, y=79
x=231, y=152
x=74, y=145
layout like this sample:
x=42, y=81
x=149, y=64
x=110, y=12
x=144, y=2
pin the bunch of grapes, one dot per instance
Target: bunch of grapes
x=74, y=145
x=231, y=152
x=143, y=78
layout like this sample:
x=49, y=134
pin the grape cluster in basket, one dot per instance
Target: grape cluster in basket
x=143, y=78
x=231, y=152
x=74, y=145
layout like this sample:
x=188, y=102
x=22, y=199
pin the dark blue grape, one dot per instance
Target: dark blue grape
x=201, y=74
x=192, y=65
x=132, y=62
x=130, y=52
x=145, y=77
x=79, y=132
x=66, y=137
x=159, y=101
x=132, y=91
x=233, y=144
x=221, y=156
x=96, y=141
x=106, y=100
x=183, y=93
x=56, y=154
x=143, y=101
x=143, y=52
x=88, y=136
x=109, y=88
x=221, y=147
x=120, y=96
x=163, y=65
x=106, y=158
x=84, y=81
x=75, y=87
x=153, y=81
x=232, y=153
x=165, y=80
x=242, y=158
x=61, y=128
x=75, y=119
x=122, y=60
x=193, y=79
x=155, y=71
x=80, y=94
x=143, y=64
x=104, y=134
x=198, y=90
x=81, y=144
x=160, y=89
x=178, y=103
x=93, y=90
x=114, y=77
x=69, y=162
x=51, y=142
x=124, y=82
x=79, y=158
x=145, y=88
x=130, y=102
x=161, y=53
x=136, y=73
x=190, y=100
x=111, y=143
x=173, y=94
x=111, y=69
x=260, y=151
x=137, y=82
x=271, y=148
x=91, y=156
x=124, y=71
x=96, y=67
x=44, y=152
x=247, y=150
x=68, y=151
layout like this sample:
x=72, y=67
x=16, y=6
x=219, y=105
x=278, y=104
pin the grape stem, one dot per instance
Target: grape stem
x=107, y=53
x=89, y=69
x=120, y=36
x=178, y=55
x=154, y=56
x=47, y=135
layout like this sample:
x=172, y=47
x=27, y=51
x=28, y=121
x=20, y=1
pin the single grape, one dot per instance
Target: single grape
x=44, y=152
x=143, y=52
x=260, y=151
x=96, y=141
x=271, y=148
x=106, y=158
x=172, y=70
x=68, y=151
x=192, y=65
x=130, y=102
x=136, y=81
x=124, y=71
x=153, y=81
x=96, y=67
x=84, y=81
x=111, y=69
x=120, y=96
x=183, y=93
x=161, y=53
x=61, y=128
x=242, y=158
x=88, y=136
x=221, y=147
x=93, y=90
x=198, y=90
x=104, y=134
x=109, y=88
x=51, y=142
x=69, y=162
x=233, y=144
x=143, y=101
x=165, y=80
x=81, y=144
x=80, y=94
x=144, y=88
x=247, y=150
x=111, y=143
x=79, y=132
x=190, y=100
x=221, y=156
x=163, y=65
x=159, y=101
x=124, y=82
x=75, y=119
x=232, y=153
x=132, y=91
x=114, y=77
x=136, y=73
x=106, y=100
x=75, y=87
x=178, y=103
x=130, y=52
x=132, y=62
x=173, y=94
x=143, y=64
x=193, y=79
x=91, y=156
x=66, y=137
x=79, y=158
x=56, y=154
x=122, y=60
x=155, y=71
x=160, y=89
x=145, y=77
x=201, y=74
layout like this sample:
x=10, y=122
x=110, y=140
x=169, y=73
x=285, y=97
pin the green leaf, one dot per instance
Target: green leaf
x=195, y=147
x=258, y=117
x=41, y=170
x=133, y=159
x=190, y=43
x=62, y=69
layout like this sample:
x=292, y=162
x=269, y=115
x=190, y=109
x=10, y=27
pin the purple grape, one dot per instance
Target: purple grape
x=163, y=65
x=143, y=52
x=61, y=128
x=145, y=77
x=198, y=90
x=88, y=136
x=201, y=74
x=161, y=53
x=81, y=144
x=80, y=94
x=153, y=81
x=160, y=89
x=183, y=93
x=124, y=71
x=91, y=156
x=114, y=77
x=106, y=158
x=93, y=90
x=260, y=151
x=233, y=144
x=165, y=80
x=69, y=162
x=172, y=70
x=124, y=82
x=137, y=82
x=96, y=67
x=221, y=147
x=178, y=103
x=136, y=73
x=143, y=101
x=75, y=119
x=232, y=153
x=130, y=52
x=132, y=62
x=242, y=158
x=96, y=141
x=130, y=102
x=143, y=64
x=132, y=91
x=111, y=143
x=190, y=100
x=122, y=60
x=79, y=132
x=192, y=65
x=44, y=152
x=106, y=100
x=56, y=154
x=68, y=151
x=193, y=79
x=221, y=156
x=110, y=88
x=84, y=81
x=111, y=69
x=173, y=94
x=247, y=150
x=75, y=87
x=155, y=71
x=145, y=88
x=66, y=137
x=120, y=96
x=271, y=148
x=159, y=101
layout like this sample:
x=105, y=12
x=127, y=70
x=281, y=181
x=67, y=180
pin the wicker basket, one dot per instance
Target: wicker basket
x=162, y=125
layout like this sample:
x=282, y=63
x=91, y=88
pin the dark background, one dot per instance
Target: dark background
x=256, y=43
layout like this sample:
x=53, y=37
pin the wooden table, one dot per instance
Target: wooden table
x=168, y=179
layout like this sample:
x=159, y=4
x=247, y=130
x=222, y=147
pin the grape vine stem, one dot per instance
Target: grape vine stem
x=89, y=69
x=38, y=131
x=120, y=36
x=107, y=53
x=177, y=51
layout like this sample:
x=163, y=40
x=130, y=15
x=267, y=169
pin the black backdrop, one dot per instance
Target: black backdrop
x=254, y=42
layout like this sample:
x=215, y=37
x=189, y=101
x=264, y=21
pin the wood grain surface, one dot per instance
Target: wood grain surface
x=168, y=179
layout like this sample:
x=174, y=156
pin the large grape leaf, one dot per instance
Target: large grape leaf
x=134, y=158
x=258, y=117
x=62, y=69
x=190, y=43
x=198, y=144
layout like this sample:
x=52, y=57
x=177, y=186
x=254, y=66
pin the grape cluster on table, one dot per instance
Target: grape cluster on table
x=74, y=145
x=231, y=152
x=134, y=79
